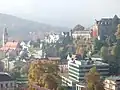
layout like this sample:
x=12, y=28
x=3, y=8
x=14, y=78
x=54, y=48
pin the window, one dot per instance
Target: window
x=11, y=84
x=77, y=88
x=1, y=85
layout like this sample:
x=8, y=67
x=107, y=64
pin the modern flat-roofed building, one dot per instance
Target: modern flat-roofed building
x=78, y=69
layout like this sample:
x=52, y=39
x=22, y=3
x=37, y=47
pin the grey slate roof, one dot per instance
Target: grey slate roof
x=5, y=77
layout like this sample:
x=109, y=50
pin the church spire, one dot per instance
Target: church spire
x=5, y=36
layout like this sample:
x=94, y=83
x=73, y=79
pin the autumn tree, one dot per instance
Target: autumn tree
x=116, y=51
x=118, y=33
x=80, y=45
x=43, y=74
x=93, y=80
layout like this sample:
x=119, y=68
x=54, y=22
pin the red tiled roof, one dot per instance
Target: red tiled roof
x=10, y=45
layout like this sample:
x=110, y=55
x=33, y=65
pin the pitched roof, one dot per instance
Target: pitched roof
x=10, y=45
x=5, y=77
x=78, y=28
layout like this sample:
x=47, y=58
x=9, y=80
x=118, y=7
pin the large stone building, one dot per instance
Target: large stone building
x=105, y=27
x=80, y=31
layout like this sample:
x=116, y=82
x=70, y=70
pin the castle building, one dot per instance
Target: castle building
x=105, y=27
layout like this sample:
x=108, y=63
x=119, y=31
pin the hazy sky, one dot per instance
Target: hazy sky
x=62, y=12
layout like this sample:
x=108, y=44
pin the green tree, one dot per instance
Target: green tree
x=114, y=65
x=61, y=88
x=97, y=45
x=93, y=80
x=104, y=53
x=116, y=51
x=67, y=40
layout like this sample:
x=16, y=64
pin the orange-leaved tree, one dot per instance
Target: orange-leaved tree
x=43, y=74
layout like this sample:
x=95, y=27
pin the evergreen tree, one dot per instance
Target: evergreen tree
x=104, y=53
x=97, y=45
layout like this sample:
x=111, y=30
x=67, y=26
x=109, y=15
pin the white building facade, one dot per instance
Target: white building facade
x=78, y=69
x=112, y=83
x=52, y=38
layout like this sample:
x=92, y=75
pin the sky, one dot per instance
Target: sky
x=66, y=13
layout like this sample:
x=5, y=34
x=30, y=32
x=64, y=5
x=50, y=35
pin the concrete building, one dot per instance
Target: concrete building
x=106, y=27
x=78, y=69
x=112, y=83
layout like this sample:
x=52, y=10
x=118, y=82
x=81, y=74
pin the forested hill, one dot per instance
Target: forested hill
x=20, y=28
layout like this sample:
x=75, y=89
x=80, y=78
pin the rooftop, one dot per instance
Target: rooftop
x=5, y=77
x=114, y=78
x=88, y=62
x=10, y=45
x=78, y=28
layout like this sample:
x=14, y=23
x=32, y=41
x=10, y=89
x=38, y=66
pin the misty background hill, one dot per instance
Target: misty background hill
x=19, y=28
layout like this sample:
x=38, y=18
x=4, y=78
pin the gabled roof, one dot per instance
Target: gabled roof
x=10, y=45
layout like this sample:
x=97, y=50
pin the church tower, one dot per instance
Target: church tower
x=5, y=36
